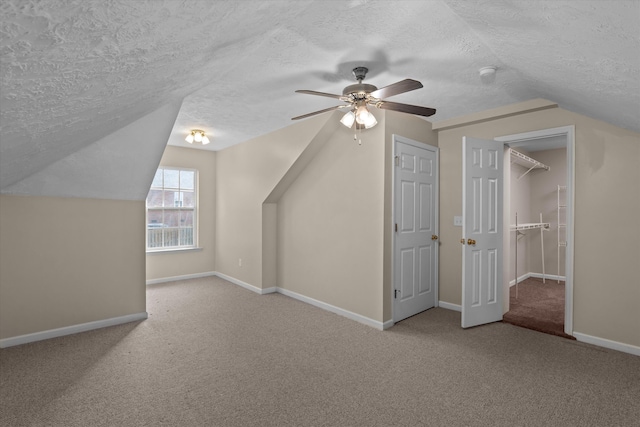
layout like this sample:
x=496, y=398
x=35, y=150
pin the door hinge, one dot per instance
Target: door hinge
x=397, y=160
x=396, y=227
x=395, y=293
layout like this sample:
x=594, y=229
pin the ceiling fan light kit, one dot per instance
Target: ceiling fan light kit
x=360, y=96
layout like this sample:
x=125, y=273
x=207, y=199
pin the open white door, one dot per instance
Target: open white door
x=416, y=228
x=482, y=180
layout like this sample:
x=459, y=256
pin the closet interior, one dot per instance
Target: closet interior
x=538, y=236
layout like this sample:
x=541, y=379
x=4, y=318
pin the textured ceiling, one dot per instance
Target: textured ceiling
x=74, y=72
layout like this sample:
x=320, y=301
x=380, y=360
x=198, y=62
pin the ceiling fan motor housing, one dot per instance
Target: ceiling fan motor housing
x=359, y=88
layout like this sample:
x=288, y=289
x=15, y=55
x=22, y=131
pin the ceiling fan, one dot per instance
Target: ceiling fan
x=360, y=95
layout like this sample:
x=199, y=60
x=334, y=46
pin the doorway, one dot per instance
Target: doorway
x=538, y=242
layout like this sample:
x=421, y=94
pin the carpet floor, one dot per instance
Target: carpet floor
x=539, y=306
x=214, y=354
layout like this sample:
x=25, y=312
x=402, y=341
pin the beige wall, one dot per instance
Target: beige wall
x=330, y=222
x=246, y=174
x=544, y=199
x=180, y=263
x=607, y=206
x=322, y=203
x=67, y=261
x=335, y=221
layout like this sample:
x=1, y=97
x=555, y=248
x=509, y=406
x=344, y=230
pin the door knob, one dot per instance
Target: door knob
x=434, y=237
x=471, y=242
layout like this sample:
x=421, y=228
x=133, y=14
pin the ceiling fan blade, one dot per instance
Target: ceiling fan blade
x=313, y=92
x=337, y=107
x=406, y=108
x=397, y=88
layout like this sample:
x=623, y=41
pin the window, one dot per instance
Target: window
x=171, y=209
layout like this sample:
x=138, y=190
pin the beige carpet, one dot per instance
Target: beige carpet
x=214, y=354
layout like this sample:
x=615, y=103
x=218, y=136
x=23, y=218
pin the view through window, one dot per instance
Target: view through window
x=171, y=209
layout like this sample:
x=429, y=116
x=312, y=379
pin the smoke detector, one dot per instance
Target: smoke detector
x=487, y=72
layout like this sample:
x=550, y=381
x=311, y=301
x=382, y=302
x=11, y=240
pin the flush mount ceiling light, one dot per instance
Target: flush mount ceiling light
x=197, y=135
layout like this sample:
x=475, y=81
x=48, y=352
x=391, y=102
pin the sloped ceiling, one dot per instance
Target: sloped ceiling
x=76, y=71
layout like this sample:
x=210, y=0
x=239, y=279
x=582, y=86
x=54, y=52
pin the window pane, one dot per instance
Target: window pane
x=187, y=180
x=188, y=199
x=154, y=237
x=186, y=218
x=171, y=236
x=186, y=236
x=154, y=199
x=154, y=219
x=157, y=179
x=171, y=178
x=169, y=198
x=171, y=217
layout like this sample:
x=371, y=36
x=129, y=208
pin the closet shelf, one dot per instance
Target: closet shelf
x=529, y=226
x=526, y=161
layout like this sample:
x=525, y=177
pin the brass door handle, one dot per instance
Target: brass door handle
x=462, y=241
x=434, y=237
x=471, y=242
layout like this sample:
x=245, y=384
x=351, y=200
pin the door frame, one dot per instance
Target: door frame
x=396, y=139
x=569, y=133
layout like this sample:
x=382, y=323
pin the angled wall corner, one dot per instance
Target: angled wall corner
x=246, y=175
x=270, y=204
x=330, y=226
x=119, y=166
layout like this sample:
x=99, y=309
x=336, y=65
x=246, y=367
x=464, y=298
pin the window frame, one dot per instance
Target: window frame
x=196, y=203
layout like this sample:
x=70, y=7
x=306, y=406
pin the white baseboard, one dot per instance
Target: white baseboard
x=603, y=342
x=183, y=277
x=520, y=279
x=73, y=329
x=449, y=306
x=537, y=276
x=336, y=310
x=388, y=324
x=245, y=284
x=547, y=276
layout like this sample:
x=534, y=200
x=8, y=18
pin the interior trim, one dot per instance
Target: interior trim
x=337, y=310
x=182, y=277
x=73, y=329
x=449, y=306
x=603, y=342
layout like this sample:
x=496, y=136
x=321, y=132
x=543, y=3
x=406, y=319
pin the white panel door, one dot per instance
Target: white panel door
x=481, y=231
x=416, y=222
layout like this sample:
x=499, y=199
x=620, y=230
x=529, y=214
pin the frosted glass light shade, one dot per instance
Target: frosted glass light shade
x=348, y=119
x=189, y=138
x=370, y=121
x=205, y=140
x=364, y=117
x=198, y=137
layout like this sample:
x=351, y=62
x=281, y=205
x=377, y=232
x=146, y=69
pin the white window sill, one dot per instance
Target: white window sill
x=173, y=251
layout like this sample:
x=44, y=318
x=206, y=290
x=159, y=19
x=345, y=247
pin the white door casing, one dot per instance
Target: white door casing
x=415, y=265
x=482, y=181
x=568, y=132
